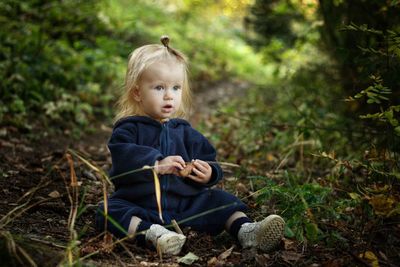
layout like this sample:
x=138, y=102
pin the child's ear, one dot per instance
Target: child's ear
x=136, y=93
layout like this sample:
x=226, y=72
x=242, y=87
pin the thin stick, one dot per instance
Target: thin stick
x=6, y=219
x=118, y=259
x=166, y=165
x=74, y=186
x=47, y=243
x=26, y=256
x=128, y=251
x=93, y=166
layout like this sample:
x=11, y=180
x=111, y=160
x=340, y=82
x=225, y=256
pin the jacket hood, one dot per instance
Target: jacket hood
x=147, y=120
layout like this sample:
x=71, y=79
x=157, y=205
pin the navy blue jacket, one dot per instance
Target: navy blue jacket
x=137, y=141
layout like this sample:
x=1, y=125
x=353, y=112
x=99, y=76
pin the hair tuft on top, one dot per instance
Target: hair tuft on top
x=165, y=40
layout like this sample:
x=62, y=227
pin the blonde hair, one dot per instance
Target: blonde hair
x=139, y=60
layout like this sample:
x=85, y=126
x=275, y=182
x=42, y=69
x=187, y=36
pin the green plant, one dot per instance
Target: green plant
x=379, y=94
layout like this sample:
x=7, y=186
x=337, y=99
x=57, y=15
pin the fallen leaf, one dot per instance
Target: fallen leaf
x=188, y=259
x=220, y=260
x=288, y=244
x=54, y=194
x=355, y=196
x=212, y=262
x=371, y=257
x=241, y=188
x=225, y=254
x=270, y=157
x=3, y=132
x=333, y=263
x=262, y=259
x=290, y=256
x=382, y=204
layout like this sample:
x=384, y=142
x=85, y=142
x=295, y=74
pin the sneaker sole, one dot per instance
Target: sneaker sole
x=270, y=233
x=171, y=243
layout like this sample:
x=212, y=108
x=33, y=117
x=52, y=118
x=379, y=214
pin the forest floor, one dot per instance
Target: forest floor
x=35, y=207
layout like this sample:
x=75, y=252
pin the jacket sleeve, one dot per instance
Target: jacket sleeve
x=200, y=148
x=128, y=156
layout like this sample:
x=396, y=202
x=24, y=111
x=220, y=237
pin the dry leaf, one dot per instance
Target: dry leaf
x=371, y=257
x=333, y=263
x=290, y=256
x=262, y=259
x=241, y=188
x=188, y=259
x=288, y=244
x=355, y=196
x=220, y=261
x=187, y=170
x=271, y=157
x=225, y=254
x=107, y=244
x=54, y=194
x=382, y=204
x=212, y=262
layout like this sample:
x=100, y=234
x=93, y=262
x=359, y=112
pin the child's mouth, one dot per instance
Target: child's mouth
x=167, y=108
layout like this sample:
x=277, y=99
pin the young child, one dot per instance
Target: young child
x=149, y=132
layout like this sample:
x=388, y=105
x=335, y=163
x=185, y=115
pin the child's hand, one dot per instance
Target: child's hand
x=170, y=165
x=202, y=170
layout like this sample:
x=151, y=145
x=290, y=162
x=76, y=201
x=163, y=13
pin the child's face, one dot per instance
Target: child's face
x=160, y=89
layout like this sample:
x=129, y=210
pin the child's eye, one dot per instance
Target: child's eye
x=159, y=87
x=177, y=87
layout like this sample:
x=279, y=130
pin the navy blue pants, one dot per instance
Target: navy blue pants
x=216, y=205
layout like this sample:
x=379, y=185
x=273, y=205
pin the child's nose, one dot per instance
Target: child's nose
x=168, y=94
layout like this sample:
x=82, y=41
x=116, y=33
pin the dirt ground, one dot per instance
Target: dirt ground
x=35, y=207
x=34, y=189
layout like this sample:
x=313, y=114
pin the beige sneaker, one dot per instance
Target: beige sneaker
x=167, y=242
x=265, y=235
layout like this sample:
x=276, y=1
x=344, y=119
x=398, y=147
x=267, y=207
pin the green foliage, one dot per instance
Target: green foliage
x=64, y=60
x=50, y=61
x=376, y=94
x=212, y=44
x=309, y=208
x=273, y=20
x=316, y=149
x=357, y=34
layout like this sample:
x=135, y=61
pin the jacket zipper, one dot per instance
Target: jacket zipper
x=164, y=180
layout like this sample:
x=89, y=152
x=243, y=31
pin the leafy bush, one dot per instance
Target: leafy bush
x=50, y=62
